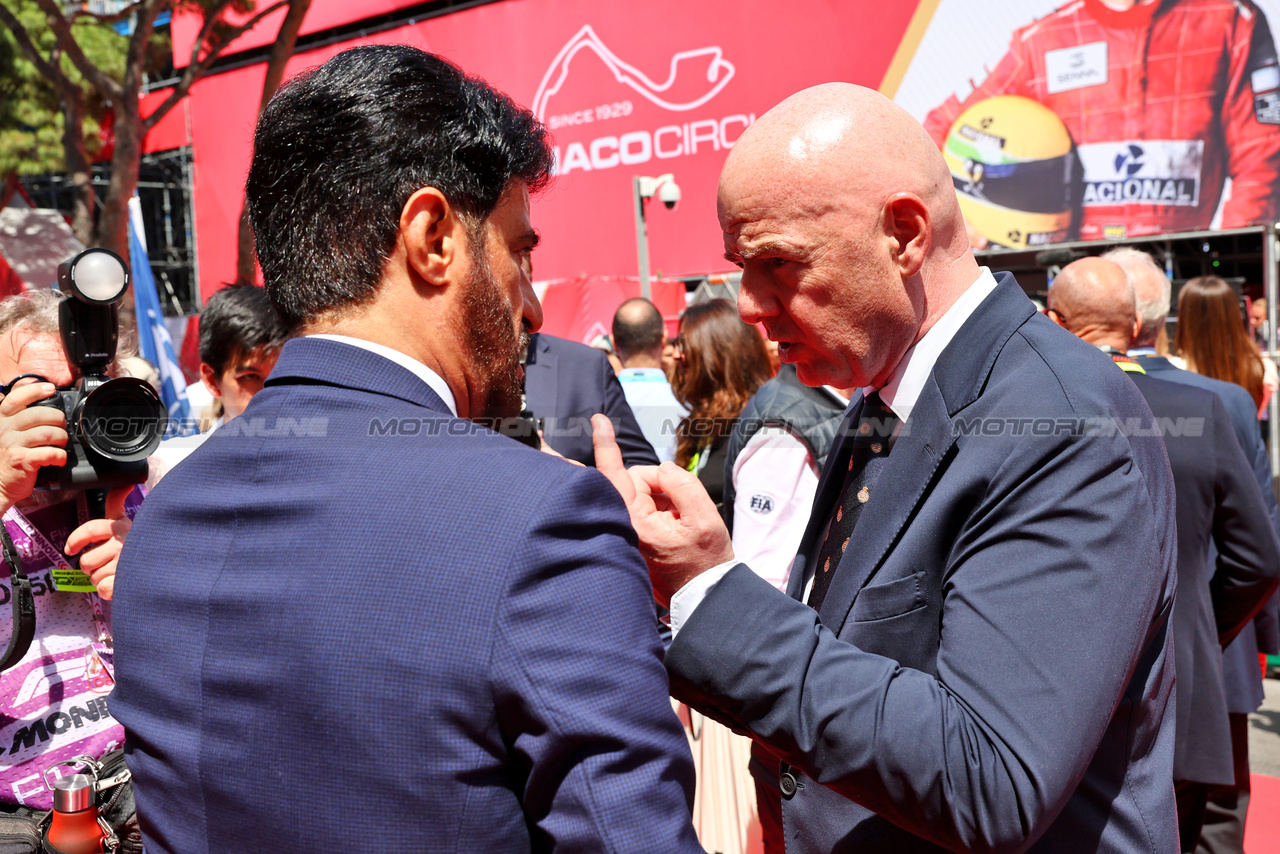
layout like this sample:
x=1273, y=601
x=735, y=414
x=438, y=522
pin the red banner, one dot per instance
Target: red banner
x=582, y=308
x=627, y=89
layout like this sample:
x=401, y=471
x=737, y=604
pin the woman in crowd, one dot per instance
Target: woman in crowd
x=720, y=362
x=1213, y=340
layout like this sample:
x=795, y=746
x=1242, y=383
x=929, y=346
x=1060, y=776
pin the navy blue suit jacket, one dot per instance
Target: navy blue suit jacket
x=565, y=384
x=992, y=666
x=1218, y=503
x=353, y=622
x=1241, y=674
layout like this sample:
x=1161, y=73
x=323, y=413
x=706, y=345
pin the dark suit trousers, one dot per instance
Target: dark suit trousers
x=1192, y=798
x=1225, y=812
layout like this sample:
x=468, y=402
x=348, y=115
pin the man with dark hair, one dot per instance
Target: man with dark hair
x=240, y=340
x=441, y=657
x=638, y=337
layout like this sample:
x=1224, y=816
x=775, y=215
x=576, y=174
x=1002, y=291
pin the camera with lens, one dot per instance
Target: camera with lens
x=113, y=425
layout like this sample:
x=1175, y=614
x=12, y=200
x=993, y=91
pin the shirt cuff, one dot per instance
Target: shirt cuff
x=687, y=598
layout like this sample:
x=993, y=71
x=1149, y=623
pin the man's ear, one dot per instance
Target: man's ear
x=432, y=234
x=1137, y=327
x=907, y=222
x=210, y=379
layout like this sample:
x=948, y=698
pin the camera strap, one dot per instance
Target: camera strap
x=24, y=605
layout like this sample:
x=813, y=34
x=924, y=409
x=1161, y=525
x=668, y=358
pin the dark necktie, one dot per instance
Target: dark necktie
x=872, y=442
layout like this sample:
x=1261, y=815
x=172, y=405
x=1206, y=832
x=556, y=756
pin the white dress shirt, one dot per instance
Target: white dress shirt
x=899, y=393
x=428, y=376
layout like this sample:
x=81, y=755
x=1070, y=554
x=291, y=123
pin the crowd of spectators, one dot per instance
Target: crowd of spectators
x=459, y=631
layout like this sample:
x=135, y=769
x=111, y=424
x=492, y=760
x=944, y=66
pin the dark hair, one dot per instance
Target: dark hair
x=637, y=327
x=238, y=319
x=724, y=363
x=1211, y=335
x=340, y=149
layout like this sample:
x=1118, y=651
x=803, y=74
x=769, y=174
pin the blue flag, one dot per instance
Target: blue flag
x=153, y=337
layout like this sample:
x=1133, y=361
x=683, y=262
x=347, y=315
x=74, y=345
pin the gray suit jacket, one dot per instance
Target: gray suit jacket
x=992, y=668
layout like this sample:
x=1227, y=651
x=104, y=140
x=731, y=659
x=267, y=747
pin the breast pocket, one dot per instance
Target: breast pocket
x=892, y=599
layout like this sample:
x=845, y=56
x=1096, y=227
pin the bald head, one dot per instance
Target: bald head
x=838, y=143
x=840, y=194
x=1093, y=299
x=638, y=334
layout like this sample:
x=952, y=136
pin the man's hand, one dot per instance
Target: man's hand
x=99, y=562
x=547, y=449
x=30, y=437
x=681, y=532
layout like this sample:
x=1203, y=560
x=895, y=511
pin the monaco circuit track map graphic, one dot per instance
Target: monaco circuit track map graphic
x=683, y=68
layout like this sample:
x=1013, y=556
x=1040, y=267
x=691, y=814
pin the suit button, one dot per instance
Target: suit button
x=787, y=782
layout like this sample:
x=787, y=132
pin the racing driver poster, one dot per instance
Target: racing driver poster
x=1060, y=119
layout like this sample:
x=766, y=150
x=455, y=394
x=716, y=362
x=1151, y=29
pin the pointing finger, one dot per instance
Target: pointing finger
x=609, y=457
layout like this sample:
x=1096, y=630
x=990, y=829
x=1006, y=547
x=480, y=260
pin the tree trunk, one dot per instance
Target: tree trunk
x=79, y=170
x=113, y=221
x=281, y=51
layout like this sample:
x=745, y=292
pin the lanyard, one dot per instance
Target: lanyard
x=63, y=568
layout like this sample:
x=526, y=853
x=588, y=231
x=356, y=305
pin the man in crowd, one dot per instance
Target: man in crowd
x=638, y=338
x=53, y=699
x=240, y=340
x=1164, y=100
x=1217, y=502
x=407, y=607
x=1228, y=806
x=973, y=651
x=565, y=384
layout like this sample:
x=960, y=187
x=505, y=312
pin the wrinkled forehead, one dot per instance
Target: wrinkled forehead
x=25, y=352
x=766, y=198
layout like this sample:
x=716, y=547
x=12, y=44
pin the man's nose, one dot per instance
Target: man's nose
x=532, y=309
x=753, y=304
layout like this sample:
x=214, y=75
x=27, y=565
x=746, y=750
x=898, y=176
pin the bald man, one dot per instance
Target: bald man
x=1228, y=806
x=973, y=652
x=1218, y=502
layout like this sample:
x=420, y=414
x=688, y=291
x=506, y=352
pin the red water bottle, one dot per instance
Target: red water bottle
x=74, y=827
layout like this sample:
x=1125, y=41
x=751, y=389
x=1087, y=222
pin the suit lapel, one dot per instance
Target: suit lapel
x=957, y=380
x=829, y=483
x=540, y=379
x=916, y=455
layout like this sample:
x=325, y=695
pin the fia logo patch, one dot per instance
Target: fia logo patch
x=761, y=503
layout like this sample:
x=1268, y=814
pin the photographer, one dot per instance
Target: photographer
x=53, y=700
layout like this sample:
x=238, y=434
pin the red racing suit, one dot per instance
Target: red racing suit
x=1163, y=101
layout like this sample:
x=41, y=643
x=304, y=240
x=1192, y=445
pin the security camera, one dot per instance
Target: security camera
x=669, y=193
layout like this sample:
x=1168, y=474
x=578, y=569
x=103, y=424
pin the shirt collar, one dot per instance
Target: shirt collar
x=1143, y=351
x=905, y=384
x=428, y=376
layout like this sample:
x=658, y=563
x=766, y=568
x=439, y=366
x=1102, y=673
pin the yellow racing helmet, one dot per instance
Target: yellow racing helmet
x=1011, y=160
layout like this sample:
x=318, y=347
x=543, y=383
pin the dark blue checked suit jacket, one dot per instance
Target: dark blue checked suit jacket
x=357, y=623
x=992, y=667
